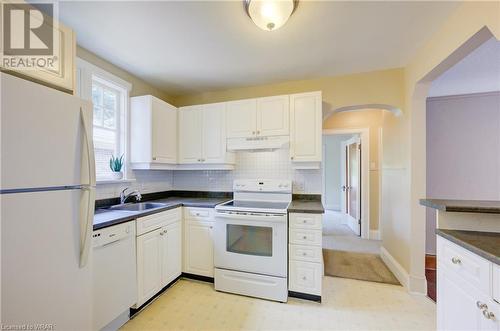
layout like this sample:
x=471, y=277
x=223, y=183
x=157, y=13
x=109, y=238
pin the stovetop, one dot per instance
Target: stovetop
x=246, y=205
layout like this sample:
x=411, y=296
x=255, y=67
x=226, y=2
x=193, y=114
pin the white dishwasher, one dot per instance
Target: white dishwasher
x=114, y=275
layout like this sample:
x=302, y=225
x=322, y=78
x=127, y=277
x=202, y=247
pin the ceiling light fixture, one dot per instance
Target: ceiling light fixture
x=270, y=15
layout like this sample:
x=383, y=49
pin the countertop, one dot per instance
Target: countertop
x=484, y=244
x=463, y=206
x=310, y=204
x=105, y=217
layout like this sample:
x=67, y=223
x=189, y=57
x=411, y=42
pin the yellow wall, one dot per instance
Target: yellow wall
x=404, y=141
x=377, y=87
x=372, y=119
x=139, y=87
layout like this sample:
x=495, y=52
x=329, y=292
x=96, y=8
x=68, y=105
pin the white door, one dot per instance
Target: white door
x=190, y=134
x=42, y=281
x=214, y=133
x=241, y=117
x=43, y=141
x=148, y=265
x=305, y=131
x=343, y=177
x=199, y=252
x=171, y=252
x=164, y=132
x=273, y=116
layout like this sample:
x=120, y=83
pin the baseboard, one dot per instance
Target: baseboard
x=305, y=296
x=418, y=285
x=198, y=277
x=395, y=267
x=375, y=234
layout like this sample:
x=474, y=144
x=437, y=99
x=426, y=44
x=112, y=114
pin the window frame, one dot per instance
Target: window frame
x=86, y=75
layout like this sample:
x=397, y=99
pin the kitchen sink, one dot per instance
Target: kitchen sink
x=138, y=206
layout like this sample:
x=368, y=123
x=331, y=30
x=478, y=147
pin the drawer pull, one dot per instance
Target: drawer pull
x=488, y=315
x=304, y=278
x=304, y=221
x=304, y=237
x=456, y=260
x=481, y=305
x=304, y=254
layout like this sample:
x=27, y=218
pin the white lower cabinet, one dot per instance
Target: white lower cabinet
x=305, y=266
x=198, y=241
x=159, y=252
x=462, y=303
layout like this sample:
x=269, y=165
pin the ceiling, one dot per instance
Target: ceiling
x=190, y=47
x=477, y=72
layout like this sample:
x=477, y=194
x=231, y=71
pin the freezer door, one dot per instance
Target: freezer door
x=46, y=137
x=42, y=281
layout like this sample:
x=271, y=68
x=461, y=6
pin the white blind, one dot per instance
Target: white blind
x=107, y=110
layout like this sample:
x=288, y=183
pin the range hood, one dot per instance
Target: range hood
x=257, y=143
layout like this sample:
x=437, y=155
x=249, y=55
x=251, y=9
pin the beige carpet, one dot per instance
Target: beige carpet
x=360, y=266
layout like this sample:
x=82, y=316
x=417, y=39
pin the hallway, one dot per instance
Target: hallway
x=338, y=236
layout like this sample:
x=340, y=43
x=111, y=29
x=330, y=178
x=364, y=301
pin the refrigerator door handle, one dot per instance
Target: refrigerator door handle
x=90, y=147
x=86, y=224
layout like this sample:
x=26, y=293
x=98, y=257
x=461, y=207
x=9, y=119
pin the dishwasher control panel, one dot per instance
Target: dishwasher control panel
x=112, y=234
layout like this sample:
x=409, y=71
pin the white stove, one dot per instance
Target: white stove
x=251, y=240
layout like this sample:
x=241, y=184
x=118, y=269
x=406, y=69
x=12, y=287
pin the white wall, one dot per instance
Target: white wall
x=463, y=151
x=264, y=164
x=333, y=176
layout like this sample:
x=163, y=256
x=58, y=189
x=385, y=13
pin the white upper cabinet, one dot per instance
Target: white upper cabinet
x=306, y=129
x=258, y=117
x=214, y=133
x=153, y=132
x=273, y=116
x=241, y=118
x=202, y=136
x=190, y=134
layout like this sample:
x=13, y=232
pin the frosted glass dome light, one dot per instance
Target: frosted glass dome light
x=270, y=15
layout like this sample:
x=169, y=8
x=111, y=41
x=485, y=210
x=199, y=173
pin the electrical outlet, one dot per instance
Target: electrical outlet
x=299, y=186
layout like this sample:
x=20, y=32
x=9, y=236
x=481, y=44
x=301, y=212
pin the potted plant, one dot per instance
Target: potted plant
x=116, y=164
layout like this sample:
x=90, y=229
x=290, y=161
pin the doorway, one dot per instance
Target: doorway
x=351, y=182
x=348, y=251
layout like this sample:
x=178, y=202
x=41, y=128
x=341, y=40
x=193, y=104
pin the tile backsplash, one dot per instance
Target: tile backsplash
x=260, y=164
x=146, y=181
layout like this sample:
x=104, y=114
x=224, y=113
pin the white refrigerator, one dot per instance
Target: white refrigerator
x=47, y=190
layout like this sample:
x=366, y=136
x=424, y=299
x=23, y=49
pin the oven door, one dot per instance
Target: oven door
x=251, y=242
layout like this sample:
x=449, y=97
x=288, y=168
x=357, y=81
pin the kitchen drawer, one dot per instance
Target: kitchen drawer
x=155, y=221
x=305, y=277
x=470, y=267
x=306, y=253
x=305, y=237
x=496, y=283
x=198, y=214
x=305, y=221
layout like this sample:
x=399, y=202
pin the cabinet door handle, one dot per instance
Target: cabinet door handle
x=488, y=315
x=304, y=237
x=481, y=305
x=291, y=158
x=258, y=132
x=456, y=260
x=154, y=158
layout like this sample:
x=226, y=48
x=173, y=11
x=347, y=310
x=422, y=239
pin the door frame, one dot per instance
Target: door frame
x=365, y=174
x=351, y=221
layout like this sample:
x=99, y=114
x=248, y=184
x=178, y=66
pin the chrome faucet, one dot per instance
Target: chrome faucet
x=124, y=197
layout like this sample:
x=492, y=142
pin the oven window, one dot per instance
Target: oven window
x=249, y=240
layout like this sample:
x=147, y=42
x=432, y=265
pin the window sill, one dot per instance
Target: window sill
x=113, y=181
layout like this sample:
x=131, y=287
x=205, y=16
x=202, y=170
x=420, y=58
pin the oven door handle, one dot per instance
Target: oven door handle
x=254, y=218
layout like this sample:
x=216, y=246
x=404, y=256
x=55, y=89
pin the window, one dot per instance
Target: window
x=109, y=95
x=107, y=114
